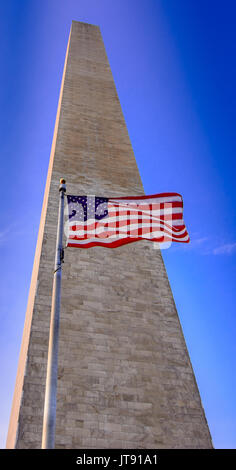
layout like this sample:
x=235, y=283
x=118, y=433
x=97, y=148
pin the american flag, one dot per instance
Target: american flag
x=115, y=221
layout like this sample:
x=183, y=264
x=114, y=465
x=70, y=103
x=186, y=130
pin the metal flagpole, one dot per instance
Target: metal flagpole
x=49, y=419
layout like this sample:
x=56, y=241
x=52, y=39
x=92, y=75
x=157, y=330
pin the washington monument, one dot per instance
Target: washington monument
x=125, y=378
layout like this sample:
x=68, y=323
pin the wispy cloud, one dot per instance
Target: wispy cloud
x=206, y=245
x=198, y=241
x=225, y=249
x=16, y=229
x=4, y=234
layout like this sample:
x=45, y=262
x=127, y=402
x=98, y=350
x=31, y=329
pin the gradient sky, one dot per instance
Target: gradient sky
x=173, y=63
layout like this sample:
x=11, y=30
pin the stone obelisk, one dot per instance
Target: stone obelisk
x=125, y=379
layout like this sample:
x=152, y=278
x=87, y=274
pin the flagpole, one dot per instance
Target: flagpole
x=49, y=419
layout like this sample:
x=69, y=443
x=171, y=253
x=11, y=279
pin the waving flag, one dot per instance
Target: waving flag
x=112, y=222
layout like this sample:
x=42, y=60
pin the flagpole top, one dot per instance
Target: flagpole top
x=62, y=186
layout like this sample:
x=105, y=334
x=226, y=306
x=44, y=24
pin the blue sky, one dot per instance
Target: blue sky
x=173, y=63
